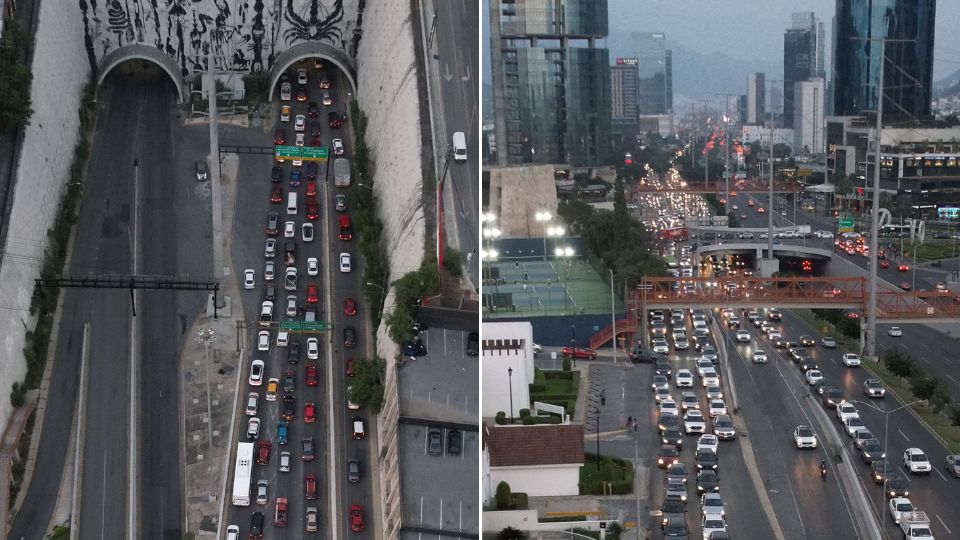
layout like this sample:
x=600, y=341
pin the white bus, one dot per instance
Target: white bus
x=243, y=474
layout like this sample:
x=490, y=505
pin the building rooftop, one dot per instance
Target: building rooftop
x=519, y=446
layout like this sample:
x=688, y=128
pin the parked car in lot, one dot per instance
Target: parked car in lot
x=580, y=353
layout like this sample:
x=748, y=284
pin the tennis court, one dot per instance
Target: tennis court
x=562, y=287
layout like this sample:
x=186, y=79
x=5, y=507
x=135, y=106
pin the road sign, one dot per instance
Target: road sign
x=304, y=326
x=845, y=225
x=291, y=326
x=645, y=286
x=283, y=153
x=804, y=172
x=314, y=153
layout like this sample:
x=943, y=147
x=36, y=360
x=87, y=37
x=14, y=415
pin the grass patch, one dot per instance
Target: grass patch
x=556, y=387
x=612, y=477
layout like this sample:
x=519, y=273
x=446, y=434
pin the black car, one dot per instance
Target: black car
x=293, y=352
x=774, y=315
x=473, y=344
x=881, y=470
x=872, y=451
x=668, y=421
x=276, y=173
x=289, y=408
x=676, y=527
x=897, y=485
x=672, y=436
x=454, y=442
x=672, y=508
x=256, y=525
x=807, y=341
x=334, y=120
x=663, y=368
x=349, y=337
x=270, y=293
x=831, y=396
x=312, y=169
x=645, y=356
x=353, y=470
x=201, y=169
x=306, y=444
x=289, y=382
x=313, y=110
x=808, y=363
x=706, y=459
x=708, y=481
x=821, y=385
x=414, y=347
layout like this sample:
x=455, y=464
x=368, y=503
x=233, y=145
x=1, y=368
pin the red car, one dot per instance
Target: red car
x=580, y=353
x=349, y=307
x=760, y=210
x=350, y=361
x=310, y=487
x=315, y=141
x=312, y=374
x=903, y=268
x=313, y=209
x=333, y=119
x=280, y=136
x=263, y=452
x=311, y=189
x=356, y=518
x=276, y=194
x=309, y=412
x=312, y=293
x=905, y=285
x=884, y=263
x=302, y=94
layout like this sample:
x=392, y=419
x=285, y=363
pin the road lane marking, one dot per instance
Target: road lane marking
x=924, y=359
x=937, y=469
x=951, y=377
x=904, y=435
x=949, y=532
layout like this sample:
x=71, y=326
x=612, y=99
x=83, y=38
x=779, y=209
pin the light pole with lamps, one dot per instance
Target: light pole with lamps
x=382, y=293
x=543, y=217
x=510, y=381
x=565, y=253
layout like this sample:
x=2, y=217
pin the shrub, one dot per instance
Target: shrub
x=18, y=394
x=503, y=496
x=500, y=418
x=566, y=363
x=537, y=387
x=922, y=386
x=453, y=261
x=524, y=413
x=509, y=533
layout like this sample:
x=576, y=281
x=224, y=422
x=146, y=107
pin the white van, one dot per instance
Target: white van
x=292, y=203
x=459, y=146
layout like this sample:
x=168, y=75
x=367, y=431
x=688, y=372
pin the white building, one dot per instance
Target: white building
x=540, y=460
x=751, y=134
x=506, y=365
x=808, y=117
x=756, y=98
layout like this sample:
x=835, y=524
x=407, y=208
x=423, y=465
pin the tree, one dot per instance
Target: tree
x=898, y=364
x=575, y=214
x=367, y=386
x=619, y=199
x=15, y=76
x=941, y=396
x=922, y=386
x=781, y=150
x=509, y=533
x=504, y=496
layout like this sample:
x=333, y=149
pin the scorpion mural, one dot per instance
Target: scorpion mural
x=315, y=27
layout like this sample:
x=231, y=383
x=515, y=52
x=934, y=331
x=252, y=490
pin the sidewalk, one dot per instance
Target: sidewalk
x=8, y=450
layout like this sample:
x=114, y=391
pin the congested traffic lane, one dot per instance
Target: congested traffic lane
x=932, y=493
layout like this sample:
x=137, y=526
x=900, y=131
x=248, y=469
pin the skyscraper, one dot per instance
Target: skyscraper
x=908, y=72
x=808, y=117
x=551, y=83
x=808, y=21
x=655, y=66
x=797, y=66
x=623, y=93
x=756, y=98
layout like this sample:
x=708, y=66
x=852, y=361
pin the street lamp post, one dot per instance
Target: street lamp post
x=596, y=413
x=543, y=217
x=510, y=380
x=380, y=300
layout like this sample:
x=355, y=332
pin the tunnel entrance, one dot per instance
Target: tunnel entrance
x=142, y=61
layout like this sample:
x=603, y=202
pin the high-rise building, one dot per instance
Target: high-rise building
x=551, y=81
x=808, y=117
x=908, y=71
x=797, y=62
x=756, y=98
x=655, y=67
x=623, y=97
x=808, y=21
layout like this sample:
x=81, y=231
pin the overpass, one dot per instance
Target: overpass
x=893, y=305
x=718, y=187
x=759, y=249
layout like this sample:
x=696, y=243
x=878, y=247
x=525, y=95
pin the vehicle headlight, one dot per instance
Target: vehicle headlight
x=660, y=461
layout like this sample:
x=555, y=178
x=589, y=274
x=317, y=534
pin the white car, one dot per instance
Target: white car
x=313, y=349
x=337, y=147
x=712, y=504
x=823, y=234
x=851, y=359
x=669, y=406
x=915, y=461
x=846, y=410
x=249, y=279
x=660, y=346
x=253, y=399
x=253, y=428
x=774, y=335
x=270, y=248
x=263, y=342
x=814, y=376
x=713, y=523
x=290, y=278
x=313, y=266
x=301, y=76
x=345, y=265
x=301, y=138
x=759, y=357
x=710, y=378
x=804, y=437
x=703, y=364
x=684, y=379
x=256, y=373
x=716, y=408
x=895, y=331
x=306, y=232
x=289, y=229
x=273, y=384
x=285, y=461
x=900, y=506
x=689, y=400
x=299, y=123
x=269, y=271
x=708, y=440
x=853, y=424
x=660, y=394
x=714, y=392
x=743, y=336
x=291, y=305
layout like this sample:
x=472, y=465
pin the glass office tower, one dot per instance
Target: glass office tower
x=908, y=73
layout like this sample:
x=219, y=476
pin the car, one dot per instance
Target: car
x=269, y=271
x=813, y=376
x=334, y=120
x=953, y=465
x=273, y=224
x=263, y=342
x=313, y=109
x=676, y=527
x=897, y=485
x=807, y=341
x=313, y=209
x=850, y=359
x=660, y=381
x=714, y=392
x=263, y=452
x=681, y=344
x=708, y=481
x=660, y=345
x=661, y=394
x=743, y=336
x=884, y=263
x=256, y=372
x=693, y=422
x=272, y=385
x=289, y=229
x=290, y=278
x=276, y=194
x=253, y=399
x=903, y=268
x=667, y=455
x=676, y=489
x=708, y=440
x=284, y=465
x=689, y=401
x=828, y=342
x=668, y=405
x=804, y=437
x=881, y=470
x=356, y=518
x=672, y=436
x=285, y=113
x=359, y=428
x=345, y=265
x=723, y=427
x=434, y=441
x=313, y=266
x=324, y=83
x=307, y=449
x=454, y=442
x=301, y=76
x=313, y=348
x=905, y=285
x=703, y=364
x=759, y=357
x=261, y=493
x=712, y=504
x=915, y=461
x=311, y=519
x=279, y=136
x=899, y=506
x=282, y=431
x=684, y=379
x=870, y=451
x=353, y=470
x=745, y=235
x=710, y=378
x=831, y=396
x=312, y=295
x=672, y=507
x=677, y=470
x=309, y=412
x=846, y=410
x=249, y=279
x=288, y=408
x=295, y=178
x=580, y=353
x=253, y=428
x=300, y=123
x=302, y=94
x=716, y=407
x=256, y=525
x=306, y=232
x=349, y=337
x=895, y=331
x=270, y=248
x=337, y=145
x=293, y=352
x=853, y=424
x=340, y=202
x=712, y=525
x=707, y=351
x=861, y=437
x=292, y=307
x=706, y=458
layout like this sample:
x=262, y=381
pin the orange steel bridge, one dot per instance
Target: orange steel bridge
x=718, y=187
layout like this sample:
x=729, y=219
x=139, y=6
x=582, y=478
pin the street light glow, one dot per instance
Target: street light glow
x=543, y=216
x=555, y=231
x=489, y=254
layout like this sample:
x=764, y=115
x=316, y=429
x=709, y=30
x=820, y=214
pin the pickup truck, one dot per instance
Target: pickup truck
x=280, y=517
x=915, y=525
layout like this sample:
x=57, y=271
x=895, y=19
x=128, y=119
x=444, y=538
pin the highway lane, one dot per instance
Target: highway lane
x=457, y=24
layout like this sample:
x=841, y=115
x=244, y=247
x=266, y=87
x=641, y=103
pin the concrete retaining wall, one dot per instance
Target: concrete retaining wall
x=59, y=70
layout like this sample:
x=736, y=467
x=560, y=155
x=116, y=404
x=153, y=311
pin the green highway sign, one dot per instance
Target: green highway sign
x=295, y=326
x=304, y=326
x=286, y=152
x=314, y=153
x=845, y=225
